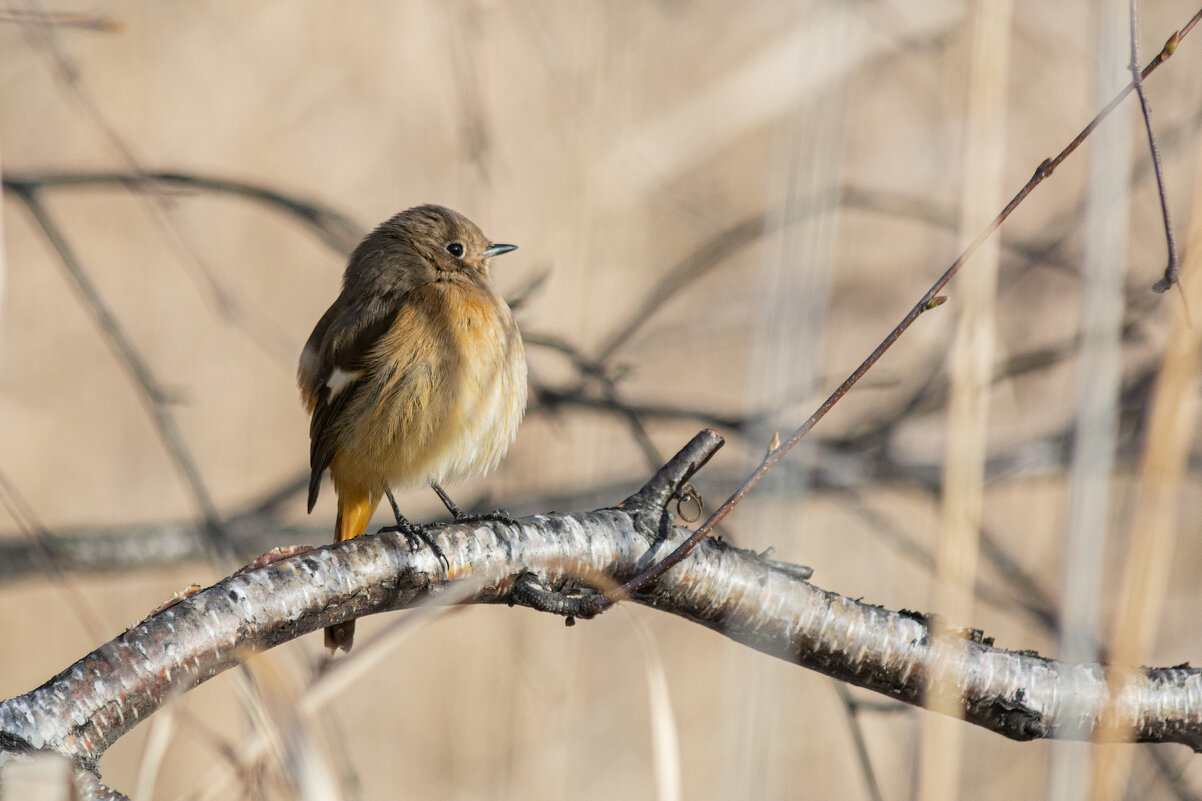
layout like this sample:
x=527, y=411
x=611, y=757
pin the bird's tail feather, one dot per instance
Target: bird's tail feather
x=354, y=513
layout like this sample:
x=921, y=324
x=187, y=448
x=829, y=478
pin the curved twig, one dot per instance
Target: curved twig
x=336, y=230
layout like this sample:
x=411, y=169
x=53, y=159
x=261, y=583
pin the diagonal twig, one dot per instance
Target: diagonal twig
x=270, y=337
x=928, y=301
x=152, y=394
x=48, y=560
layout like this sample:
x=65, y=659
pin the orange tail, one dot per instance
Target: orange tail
x=354, y=513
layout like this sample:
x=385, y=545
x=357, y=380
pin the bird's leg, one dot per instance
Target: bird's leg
x=413, y=531
x=499, y=516
x=452, y=507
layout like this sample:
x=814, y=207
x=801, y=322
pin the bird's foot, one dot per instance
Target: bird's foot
x=417, y=534
x=460, y=516
x=413, y=532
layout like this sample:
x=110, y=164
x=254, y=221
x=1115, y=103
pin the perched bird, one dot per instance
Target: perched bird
x=415, y=375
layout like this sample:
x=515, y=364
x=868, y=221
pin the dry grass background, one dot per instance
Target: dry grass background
x=608, y=140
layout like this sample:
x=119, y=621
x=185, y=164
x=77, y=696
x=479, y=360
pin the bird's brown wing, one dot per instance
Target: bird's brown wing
x=333, y=369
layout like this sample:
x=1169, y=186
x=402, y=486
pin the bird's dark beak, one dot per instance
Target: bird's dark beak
x=497, y=250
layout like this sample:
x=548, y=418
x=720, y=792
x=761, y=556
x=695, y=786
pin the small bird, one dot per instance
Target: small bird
x=414, y=376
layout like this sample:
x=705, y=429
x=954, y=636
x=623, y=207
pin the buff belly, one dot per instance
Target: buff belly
x=441, y=410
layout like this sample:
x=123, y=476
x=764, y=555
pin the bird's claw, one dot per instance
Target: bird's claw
x=416, y=534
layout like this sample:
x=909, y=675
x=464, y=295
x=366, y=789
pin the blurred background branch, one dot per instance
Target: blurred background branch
x=718, y=212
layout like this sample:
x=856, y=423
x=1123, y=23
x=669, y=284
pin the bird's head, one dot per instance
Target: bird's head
x=422, y=245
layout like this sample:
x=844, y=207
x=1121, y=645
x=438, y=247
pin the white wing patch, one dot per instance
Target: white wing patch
x=340, y=379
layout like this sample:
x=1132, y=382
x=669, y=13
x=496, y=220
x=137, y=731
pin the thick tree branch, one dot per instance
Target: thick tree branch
x=754, y=601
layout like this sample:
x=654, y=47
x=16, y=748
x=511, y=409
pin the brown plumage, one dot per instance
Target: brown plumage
x=416, y=374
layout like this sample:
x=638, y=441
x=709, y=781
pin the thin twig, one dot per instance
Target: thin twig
x=1008, y=602
x=1172, y=774
x=336, y=230
x=851, y=712
x=152, y=394
x=29, y=525
x=610, y=400
x=928, y=301
x=271, y=338
x=552, y=398
x=1172, y=272
x=64, y=19
x=725, y=243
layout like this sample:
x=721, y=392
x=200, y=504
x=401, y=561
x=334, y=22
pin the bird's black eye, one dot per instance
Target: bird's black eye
x=455, y=249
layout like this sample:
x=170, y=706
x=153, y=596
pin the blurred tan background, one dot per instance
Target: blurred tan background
x=814, y=150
